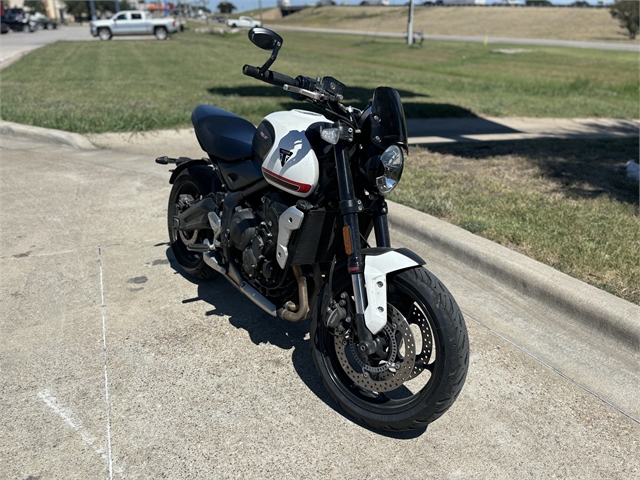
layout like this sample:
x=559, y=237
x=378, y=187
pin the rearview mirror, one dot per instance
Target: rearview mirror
x=265, y=38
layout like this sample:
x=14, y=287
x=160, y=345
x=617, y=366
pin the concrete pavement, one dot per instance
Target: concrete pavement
x=482, y=129
x=115, y=365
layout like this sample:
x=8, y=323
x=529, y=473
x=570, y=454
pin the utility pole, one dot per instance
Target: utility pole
x=260, y=6
x=92, y=8
x=410, y=24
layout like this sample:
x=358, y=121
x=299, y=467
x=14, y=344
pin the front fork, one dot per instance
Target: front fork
x=349, y=207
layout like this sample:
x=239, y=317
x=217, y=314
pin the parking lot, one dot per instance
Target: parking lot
x=116, y=365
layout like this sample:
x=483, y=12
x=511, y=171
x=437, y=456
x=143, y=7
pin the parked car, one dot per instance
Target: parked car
x=43, y=22
x=16, y=19
x=133, y=22
x=243, y=22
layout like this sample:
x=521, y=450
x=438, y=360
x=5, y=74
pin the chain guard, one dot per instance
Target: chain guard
x=389, y=375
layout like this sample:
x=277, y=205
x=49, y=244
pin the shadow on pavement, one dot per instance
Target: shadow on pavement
x=454, y=128
x=262, y=328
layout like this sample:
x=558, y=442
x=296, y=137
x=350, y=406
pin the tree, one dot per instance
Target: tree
x=36, y=6
x=226, y=7
x=626, y=12
x=76, y=8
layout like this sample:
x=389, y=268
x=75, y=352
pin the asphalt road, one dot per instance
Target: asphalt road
x=116, y=365
x=474, y=39
x=17, y=44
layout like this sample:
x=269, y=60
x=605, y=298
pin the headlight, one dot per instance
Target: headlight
x=392, y=160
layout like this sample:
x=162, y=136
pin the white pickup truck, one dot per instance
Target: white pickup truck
x=243, y=22
x=133, y=22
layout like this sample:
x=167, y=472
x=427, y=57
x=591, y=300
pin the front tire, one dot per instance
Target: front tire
x=104, y=34
x=187, y=190
x=436, y=351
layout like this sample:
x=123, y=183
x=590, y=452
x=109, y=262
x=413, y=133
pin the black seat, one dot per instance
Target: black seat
x=223, y=134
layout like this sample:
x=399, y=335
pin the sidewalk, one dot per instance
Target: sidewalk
x=421, y=132
x=483, y=129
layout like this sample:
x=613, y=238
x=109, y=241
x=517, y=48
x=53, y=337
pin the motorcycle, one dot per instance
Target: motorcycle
x=284, y=210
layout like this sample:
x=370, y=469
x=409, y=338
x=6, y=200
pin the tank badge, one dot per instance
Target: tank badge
x=285, y=155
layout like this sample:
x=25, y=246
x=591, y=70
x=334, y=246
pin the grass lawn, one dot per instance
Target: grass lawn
x=565, y=203
x=134, y=85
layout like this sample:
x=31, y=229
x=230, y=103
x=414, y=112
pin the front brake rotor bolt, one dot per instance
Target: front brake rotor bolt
x=365, y=375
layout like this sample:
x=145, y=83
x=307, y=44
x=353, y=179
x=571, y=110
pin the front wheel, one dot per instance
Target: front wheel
x=421, y=360
x=104, y=34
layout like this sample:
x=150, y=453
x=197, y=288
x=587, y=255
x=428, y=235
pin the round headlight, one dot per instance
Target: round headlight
x=392, y=160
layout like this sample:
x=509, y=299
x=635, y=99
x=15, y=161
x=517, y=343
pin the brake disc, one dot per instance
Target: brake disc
x=422, y=358
x=396, y=368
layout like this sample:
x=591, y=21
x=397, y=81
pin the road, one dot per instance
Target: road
x=472, y=39
x=17, y=44
x=114, y=365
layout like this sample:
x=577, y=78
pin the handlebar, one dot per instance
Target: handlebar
x=269, y=76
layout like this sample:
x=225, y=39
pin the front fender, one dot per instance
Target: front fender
x=378, y=262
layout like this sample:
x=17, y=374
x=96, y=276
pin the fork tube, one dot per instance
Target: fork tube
x=381, y=227
x=349, y=207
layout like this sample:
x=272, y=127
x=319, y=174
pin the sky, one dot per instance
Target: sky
x=244, y=5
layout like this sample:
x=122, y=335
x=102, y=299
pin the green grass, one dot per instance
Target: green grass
x=566, y=203
x=93, y=87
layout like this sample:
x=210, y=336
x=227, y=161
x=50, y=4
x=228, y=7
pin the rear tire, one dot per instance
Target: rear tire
x=191, y=262
x=161, y=33
x=440, y=369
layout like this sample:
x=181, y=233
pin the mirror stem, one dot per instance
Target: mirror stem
x=272, y=59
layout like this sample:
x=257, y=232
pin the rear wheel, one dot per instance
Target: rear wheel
x=421, y=362
x=184, y=193
x=161, y=33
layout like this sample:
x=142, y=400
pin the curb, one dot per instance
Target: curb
x=74, y=140
x=594, y=308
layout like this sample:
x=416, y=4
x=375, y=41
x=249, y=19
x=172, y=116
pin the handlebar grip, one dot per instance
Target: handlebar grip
x=273, y=78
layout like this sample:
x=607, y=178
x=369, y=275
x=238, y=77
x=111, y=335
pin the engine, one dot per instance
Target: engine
x=254, y=233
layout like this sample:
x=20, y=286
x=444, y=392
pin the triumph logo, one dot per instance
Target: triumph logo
x=285, y=155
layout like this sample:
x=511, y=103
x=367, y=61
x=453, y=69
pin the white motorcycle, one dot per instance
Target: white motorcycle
x=283, y=211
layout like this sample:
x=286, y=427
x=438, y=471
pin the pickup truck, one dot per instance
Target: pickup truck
x=243, y=22
x=133, y=22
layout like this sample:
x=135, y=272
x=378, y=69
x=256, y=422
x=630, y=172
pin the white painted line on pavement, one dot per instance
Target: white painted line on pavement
x=106, y=379
x=64, y=413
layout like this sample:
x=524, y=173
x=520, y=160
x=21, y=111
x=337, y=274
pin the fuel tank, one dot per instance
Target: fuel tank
x=288, y=160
